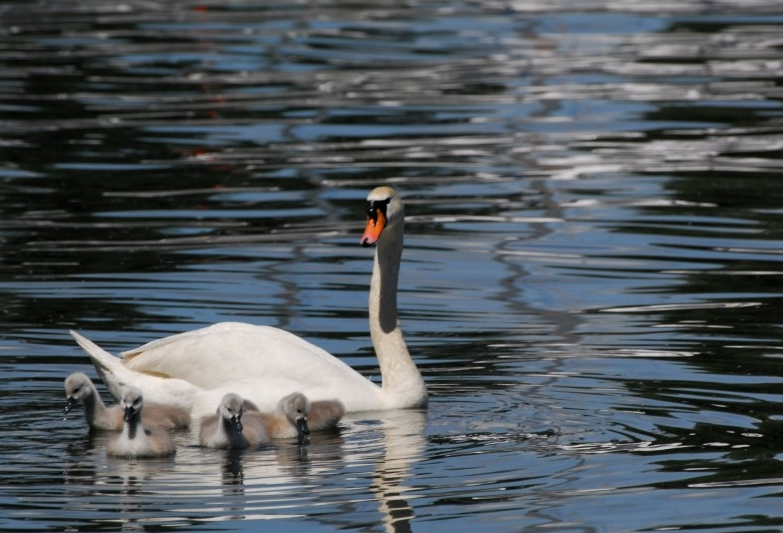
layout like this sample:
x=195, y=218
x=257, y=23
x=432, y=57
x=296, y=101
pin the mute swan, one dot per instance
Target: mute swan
x=262, y=363
x=80, y=388
x=135, y=439
x=224, y=428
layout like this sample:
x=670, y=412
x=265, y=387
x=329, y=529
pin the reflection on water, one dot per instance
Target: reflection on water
x=333, y=473
x=590, y=282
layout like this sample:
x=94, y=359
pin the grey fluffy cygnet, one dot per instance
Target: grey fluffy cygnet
x=80, y=388
x=295, y=416
x=136, y=440
x=229, y=427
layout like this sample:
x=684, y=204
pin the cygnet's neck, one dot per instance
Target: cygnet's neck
x=227, y=429
x=132, y=426
x=93, y=405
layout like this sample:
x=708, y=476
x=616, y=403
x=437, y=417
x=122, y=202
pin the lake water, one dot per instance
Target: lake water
x=592, y=282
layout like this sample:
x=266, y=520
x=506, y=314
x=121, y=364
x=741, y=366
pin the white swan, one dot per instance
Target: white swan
x=136, y=440
x=262, y=363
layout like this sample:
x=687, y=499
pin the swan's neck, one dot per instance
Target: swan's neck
x=402, y=382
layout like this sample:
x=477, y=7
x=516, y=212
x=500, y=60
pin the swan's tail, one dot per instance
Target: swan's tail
x=116, y=376
x=110, y=368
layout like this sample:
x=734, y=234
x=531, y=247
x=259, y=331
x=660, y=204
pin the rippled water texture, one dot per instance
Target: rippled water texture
x=591, y=282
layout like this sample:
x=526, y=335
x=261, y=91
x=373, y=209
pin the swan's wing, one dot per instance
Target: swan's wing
x=116, y=376
x=232, y=353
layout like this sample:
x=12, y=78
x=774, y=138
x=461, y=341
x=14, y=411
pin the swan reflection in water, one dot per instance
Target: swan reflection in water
x=368, y=459
x=328, y=471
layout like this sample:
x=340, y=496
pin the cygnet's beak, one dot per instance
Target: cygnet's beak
x=70, y=405
x=128, y=413
x=301, y=429
x=236, y=420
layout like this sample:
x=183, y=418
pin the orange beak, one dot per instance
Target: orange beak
x=374, y=228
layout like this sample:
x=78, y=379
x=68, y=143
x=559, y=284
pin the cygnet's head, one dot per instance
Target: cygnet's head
x=296, y=408
x=231, y=409
x=131, y=402
x=78, y=387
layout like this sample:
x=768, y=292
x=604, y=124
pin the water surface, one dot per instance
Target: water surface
x=591, y=279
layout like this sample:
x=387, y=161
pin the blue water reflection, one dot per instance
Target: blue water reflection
x=591, y=278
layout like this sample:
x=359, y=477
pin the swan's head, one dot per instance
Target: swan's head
x=131, y=402
x=384, y=209
x=231, y=409
x=296, y=407
x=77, y=387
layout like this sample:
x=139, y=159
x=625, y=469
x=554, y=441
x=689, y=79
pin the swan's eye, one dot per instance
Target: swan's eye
x=373, y=206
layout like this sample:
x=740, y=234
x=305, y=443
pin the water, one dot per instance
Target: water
x=591, y=281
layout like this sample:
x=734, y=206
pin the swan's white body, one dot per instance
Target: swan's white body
x=197, y=368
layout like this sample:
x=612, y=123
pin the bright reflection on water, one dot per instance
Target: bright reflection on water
x=591, y=282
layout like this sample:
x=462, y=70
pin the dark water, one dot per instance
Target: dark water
x=592, y=282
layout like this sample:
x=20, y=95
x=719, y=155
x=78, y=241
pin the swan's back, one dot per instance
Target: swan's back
x=283, y=361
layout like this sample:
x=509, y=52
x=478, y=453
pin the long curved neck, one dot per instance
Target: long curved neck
x=402, y=382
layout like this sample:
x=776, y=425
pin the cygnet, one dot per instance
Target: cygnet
x=230, y=428
x=136, y=440
x=80, y=388
x=295, y=416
